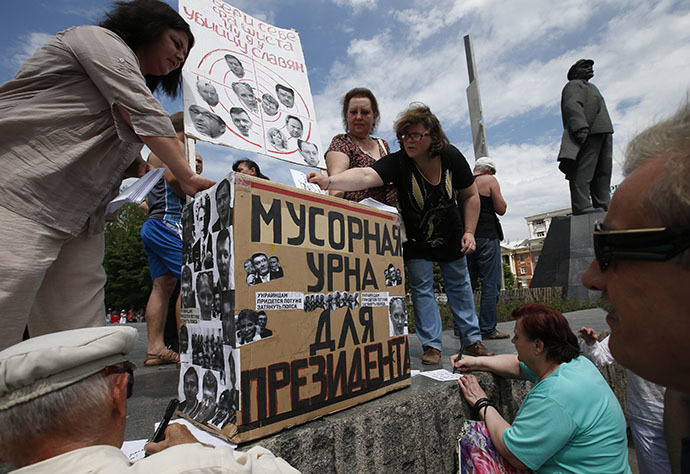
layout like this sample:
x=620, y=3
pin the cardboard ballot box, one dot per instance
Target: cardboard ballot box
x=293, y=304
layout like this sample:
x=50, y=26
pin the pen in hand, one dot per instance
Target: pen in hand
x=460, y=351
x=169, y=411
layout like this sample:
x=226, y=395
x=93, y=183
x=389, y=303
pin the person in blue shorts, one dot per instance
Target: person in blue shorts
x=161, y=235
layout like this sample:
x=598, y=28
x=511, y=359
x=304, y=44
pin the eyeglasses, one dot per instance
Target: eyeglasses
x=415, y=137
x=655, y=244
x=118, y=369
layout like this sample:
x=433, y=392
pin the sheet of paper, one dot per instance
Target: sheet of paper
x=138, y=191
x=134, y=449
x=442, y=375
x=414, y=372
x=203, y=436
x=300, y=180
x=378, y=205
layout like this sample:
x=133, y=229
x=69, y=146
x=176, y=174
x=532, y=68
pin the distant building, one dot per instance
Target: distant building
x=516, y=255
x=523, y=255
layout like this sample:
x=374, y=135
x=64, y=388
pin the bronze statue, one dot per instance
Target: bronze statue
x=586, y=148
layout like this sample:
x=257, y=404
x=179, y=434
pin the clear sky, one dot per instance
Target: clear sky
x=407, y=51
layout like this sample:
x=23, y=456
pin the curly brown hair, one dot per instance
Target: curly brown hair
x=416, y=113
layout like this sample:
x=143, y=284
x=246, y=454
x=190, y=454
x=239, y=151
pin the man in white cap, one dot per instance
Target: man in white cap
x=484, y=263
x=63, y=409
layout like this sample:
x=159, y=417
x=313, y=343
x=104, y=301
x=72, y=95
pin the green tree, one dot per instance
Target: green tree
x=508, y=277
x=125, y=262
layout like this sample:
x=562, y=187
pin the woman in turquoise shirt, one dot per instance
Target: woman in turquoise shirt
x=570, y=421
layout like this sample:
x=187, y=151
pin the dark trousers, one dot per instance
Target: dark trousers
x=592, y=176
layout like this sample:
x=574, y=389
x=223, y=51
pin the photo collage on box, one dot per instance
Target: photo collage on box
x=209, y=388
x=392, y=276
x=397, y=307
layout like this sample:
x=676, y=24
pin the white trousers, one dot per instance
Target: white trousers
x=49, y=280
x=650, y=447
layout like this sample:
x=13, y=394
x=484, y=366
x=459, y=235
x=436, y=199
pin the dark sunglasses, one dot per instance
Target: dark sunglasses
x=118, y=369
x=655, y=244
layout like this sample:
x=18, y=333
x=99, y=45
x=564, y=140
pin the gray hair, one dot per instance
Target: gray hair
x=68, y=414
x=669, y=196
x=485, y=164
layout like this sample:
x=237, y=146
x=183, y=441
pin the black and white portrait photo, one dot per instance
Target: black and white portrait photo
x=206, y=122
x=309, y=152
x=294, y=126
x=207, y=91
x=204, y=294
x=397, y=313
x=187, y=296
x=225, y=410
x=247, y=327
x=223, y=206
x=235, y=65
x=277, y=139
x=190, y=391
x=209, y=394
x=286, y=95
x=241, y=121
x=246, y=95
x=185, y=353
x=262, y=321
x=269, y=104
x=260, y=270
x=392, y=276
x=202, y=251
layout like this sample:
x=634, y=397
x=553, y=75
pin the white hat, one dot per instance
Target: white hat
x=44, y=364
x=485, y=162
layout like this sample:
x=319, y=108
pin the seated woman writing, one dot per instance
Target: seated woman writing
x=570, y=421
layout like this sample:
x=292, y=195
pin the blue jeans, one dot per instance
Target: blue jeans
x=485, y=264
x=427, y=318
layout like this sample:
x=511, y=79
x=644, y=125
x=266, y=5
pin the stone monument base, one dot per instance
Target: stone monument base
x=566, y=254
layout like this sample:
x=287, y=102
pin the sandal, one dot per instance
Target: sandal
x=169, y=357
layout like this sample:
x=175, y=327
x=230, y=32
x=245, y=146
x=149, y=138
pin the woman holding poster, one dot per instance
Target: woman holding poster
x=434, y=184
x=73, y=121
x=357, y=148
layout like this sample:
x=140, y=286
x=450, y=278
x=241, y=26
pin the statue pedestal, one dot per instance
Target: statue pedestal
x=566, y=254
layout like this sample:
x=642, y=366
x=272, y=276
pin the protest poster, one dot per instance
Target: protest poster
x=245, y=85
x=291, y=307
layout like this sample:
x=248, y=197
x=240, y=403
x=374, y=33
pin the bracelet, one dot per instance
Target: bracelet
x=329, y=184
x=479, y=404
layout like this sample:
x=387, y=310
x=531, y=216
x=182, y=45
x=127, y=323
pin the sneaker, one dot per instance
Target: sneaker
x=497, y=335
x=477, y=349
x=431, y=356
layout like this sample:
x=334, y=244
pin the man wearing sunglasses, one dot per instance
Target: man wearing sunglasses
x=63, y=407
x=642, y=268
